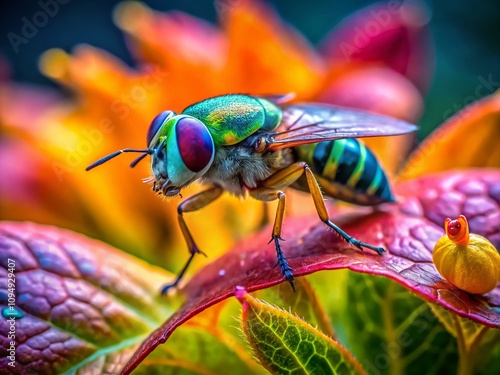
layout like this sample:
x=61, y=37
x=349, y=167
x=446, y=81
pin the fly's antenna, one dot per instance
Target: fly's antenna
x=137, y=160
x=115, y=154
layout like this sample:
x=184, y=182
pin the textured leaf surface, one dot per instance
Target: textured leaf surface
x=86, y=305
x=478, y=345
x=303, y=302
x=197, y=348
x=407, y=230
x=219, y=320
x=392, y=331
x=286, y=344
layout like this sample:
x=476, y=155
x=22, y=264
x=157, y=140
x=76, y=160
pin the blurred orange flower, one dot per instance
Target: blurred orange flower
x=469, y=139
x=48, y=139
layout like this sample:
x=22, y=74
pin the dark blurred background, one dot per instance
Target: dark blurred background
x=466, y=36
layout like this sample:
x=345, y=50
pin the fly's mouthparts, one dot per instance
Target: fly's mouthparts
x=164, y=187
x=160, y=184
x=171, y=191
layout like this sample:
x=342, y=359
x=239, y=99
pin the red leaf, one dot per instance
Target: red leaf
x=407, y=230
x=84, y=305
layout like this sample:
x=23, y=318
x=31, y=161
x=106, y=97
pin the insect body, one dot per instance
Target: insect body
x=253, y=146
x=347, y=170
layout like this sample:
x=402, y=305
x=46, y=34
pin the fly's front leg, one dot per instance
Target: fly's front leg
x=191, y=204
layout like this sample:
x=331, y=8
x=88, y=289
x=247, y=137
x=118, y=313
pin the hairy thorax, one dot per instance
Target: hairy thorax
x=238, y=169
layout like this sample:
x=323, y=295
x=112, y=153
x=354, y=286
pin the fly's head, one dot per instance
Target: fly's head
x=181, y=148
x=182, y=151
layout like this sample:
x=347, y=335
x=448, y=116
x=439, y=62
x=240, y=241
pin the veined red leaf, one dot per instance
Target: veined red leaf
x=85, y=305
x=407, y=230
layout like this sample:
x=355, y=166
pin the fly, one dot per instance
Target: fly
x=258, y=146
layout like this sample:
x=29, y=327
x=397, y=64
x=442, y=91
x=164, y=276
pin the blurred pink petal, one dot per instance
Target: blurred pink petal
x=22, y=106
x=387, y=33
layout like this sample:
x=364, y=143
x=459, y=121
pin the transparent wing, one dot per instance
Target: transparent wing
x=279, y=99
x=313, y=123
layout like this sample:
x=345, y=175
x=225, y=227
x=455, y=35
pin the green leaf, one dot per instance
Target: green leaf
x=285, y=344
x=208, y=344
x=472, y=338
x=303, y=302
x=393, y=332
x=331, y=290
x=219, y=333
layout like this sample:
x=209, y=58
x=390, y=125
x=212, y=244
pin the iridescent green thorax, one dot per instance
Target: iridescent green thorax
x=232, y=118
x=273, y=115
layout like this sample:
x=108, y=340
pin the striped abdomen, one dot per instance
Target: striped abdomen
x=347, y=170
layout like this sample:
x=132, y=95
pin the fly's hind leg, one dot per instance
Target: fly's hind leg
x=323, y=213
x=191, y=204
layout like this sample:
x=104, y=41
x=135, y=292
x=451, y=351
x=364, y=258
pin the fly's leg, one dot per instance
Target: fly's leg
x=266, y=195
x=191, y=204
x=270, y=190
x=323, y=213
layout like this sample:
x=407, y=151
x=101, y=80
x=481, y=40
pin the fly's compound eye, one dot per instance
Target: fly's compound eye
x=196, y=146
x=190, y=150
x=156, y=124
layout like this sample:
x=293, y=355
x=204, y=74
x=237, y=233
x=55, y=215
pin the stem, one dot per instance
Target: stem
x=396, y=367
x=465, y=365
x=467, y=357
x=464, y=361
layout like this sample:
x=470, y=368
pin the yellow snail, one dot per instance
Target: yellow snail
x=468, y=261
